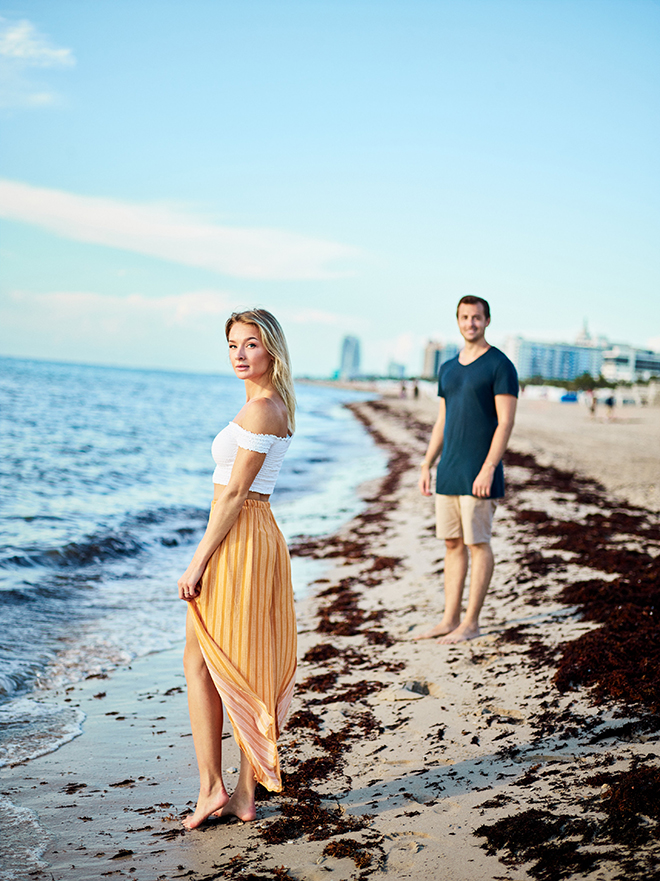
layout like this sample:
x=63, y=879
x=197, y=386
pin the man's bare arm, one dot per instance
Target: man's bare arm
x=505, y=406
x=433, y=450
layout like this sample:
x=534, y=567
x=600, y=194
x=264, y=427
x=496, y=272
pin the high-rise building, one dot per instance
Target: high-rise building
x=435, y=354
x=349, y=365
x=432, y=353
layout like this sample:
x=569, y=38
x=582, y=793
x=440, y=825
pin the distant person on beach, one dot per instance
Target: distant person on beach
x=240, y=652
x=592, y=402
x=478, y=392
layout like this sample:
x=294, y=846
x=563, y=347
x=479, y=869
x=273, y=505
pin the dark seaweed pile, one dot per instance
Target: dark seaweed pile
x=620, y=660
x=624, y=817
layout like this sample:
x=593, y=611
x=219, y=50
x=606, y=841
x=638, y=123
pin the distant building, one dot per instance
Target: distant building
x=432, y=355
x=627, y=364
x=396, y=370
x=553, y=360
x=617, y=363
x=349, y=365
x=435, y=354
x=557, y=360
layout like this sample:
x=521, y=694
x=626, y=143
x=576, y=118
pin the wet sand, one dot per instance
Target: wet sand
x=530, y=752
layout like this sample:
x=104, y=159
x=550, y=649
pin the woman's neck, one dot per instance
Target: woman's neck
x=258, y=389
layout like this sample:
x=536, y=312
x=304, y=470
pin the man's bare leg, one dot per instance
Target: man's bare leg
x=482, y=564
x=206, y=716
x=456, y=566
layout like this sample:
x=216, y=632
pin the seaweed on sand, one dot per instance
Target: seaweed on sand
x=342, y=616
x=631, y=801
x=560, y=845
x=240, y=867
x=303, y=719
x=544, y=838
x=310, y=819
x=620, y=660
x=361, y=854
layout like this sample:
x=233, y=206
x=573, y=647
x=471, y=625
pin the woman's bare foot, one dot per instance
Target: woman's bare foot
x=240, y=805
x=461, y=634
x=207, y=804
x=441, y=629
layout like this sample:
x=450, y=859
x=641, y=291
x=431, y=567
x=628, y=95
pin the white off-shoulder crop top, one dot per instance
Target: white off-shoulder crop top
x=225, y=448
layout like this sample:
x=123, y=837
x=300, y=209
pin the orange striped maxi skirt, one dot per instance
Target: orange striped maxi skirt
x=246, y=626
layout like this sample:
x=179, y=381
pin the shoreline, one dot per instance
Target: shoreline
x=395, y=753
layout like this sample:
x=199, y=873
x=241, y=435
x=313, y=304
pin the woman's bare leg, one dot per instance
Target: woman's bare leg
x=241, y=804
x=206, y=717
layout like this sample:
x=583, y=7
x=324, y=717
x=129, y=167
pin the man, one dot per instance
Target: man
x=478, y=394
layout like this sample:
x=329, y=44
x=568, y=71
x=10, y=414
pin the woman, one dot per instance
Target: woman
x=241, y=629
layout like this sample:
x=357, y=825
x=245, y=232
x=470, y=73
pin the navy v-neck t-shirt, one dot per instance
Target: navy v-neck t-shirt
x=471, y=419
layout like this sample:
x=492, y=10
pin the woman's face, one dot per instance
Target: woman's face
x=247, y=353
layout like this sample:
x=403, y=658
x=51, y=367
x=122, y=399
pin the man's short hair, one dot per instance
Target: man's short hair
x=473, y=301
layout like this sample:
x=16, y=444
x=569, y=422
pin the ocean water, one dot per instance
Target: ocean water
x=105, y=485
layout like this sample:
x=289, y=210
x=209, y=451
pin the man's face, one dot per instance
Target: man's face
x=472, y=322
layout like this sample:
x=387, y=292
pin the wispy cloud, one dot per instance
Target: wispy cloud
x=172, y=234
x=190, y=308
x=21, y=42
x=22, y=49
x=178, y=309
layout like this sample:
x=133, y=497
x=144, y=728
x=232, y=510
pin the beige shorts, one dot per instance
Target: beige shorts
x=465, y=517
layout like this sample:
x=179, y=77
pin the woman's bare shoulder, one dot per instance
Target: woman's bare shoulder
x=264, y=416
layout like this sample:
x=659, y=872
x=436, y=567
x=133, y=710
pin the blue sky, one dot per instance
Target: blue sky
x=355, y=166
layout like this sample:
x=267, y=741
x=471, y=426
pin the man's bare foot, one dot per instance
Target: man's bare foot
x=239, y=805
x=206, y=805
x=440, y=629
x=461, y=634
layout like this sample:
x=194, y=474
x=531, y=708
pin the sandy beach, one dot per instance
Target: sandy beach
x=530, y=752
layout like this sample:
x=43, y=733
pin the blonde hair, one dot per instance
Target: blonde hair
x=274, y=341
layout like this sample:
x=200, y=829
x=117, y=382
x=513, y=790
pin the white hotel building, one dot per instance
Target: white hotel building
x=627, y=364
x=617, y=363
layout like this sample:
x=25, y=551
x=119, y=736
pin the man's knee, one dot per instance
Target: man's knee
x=454, y=544
x=481, y=555
x=480, y=547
